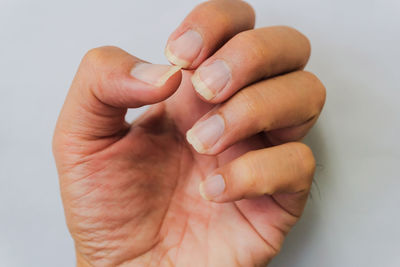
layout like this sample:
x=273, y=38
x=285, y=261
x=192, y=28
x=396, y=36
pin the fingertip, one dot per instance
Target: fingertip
x=174, y=59
x=212, y=79
x=174, y=74
x=184, y=49
x=146, y=84
x=168, y=83
x=206, y=133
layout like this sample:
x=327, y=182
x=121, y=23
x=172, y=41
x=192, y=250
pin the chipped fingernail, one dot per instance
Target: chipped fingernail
x=185, y=49
x=209, y=80
x=153, y=74
x=206, y=133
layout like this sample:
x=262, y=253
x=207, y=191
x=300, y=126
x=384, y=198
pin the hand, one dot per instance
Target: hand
x=130, y=191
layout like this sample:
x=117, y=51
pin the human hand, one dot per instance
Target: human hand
x=131, y=191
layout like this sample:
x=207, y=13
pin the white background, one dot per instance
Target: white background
x=353, y=218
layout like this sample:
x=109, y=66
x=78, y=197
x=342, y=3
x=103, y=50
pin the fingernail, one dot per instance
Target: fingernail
x=212, y=187
x=208, y=81
x=185, y=49
x=153, y=74
x=206, y=133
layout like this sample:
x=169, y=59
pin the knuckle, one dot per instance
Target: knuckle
x=293, y=31
x=221, y=18
x=254, y=44
x=245, y=172
x=248, y=102
x=318, y=88
x=97, y=56
x=216, y=11
x=250, y=11
x=210, y=8
x=93, y=56
x=264, y=43
x=226, y=7
x=306, y=161
x=300, y=39
x=251, y=104
x=97, y=68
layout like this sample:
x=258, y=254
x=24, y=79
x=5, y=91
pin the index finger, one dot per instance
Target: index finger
x=206, y=29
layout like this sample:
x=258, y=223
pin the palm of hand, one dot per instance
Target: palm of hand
x=136, y=201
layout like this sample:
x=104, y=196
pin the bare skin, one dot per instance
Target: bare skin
x=131, y=191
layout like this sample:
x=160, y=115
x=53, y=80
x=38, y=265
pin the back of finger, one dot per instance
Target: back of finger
x=284, y=169
x=206, y=29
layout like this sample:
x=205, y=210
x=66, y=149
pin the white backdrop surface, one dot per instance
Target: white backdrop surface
x=353, y=218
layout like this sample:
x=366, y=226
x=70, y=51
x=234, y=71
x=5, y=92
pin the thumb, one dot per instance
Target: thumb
x=108, y=81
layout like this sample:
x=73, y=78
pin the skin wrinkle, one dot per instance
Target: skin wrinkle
x=208, y=231
x=280, y=229
x=71, y=181
x=179, y=242
x=283, y=131
x=95, y=110
x=181, y=237
x=87, y=195
x=112, y=249
x=110, y=229
x=139, y=255
x=80, y=158
x=83, y=159
x=84, y=195
x=94, y=254
x=258, y=50
x=113, y=112
x=187, y=231
x=275, y=250
x=184, y=231
x=283, y=208
x=121, y=226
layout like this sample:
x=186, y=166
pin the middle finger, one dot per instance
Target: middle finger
x=248, y=57
x=291, y=101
